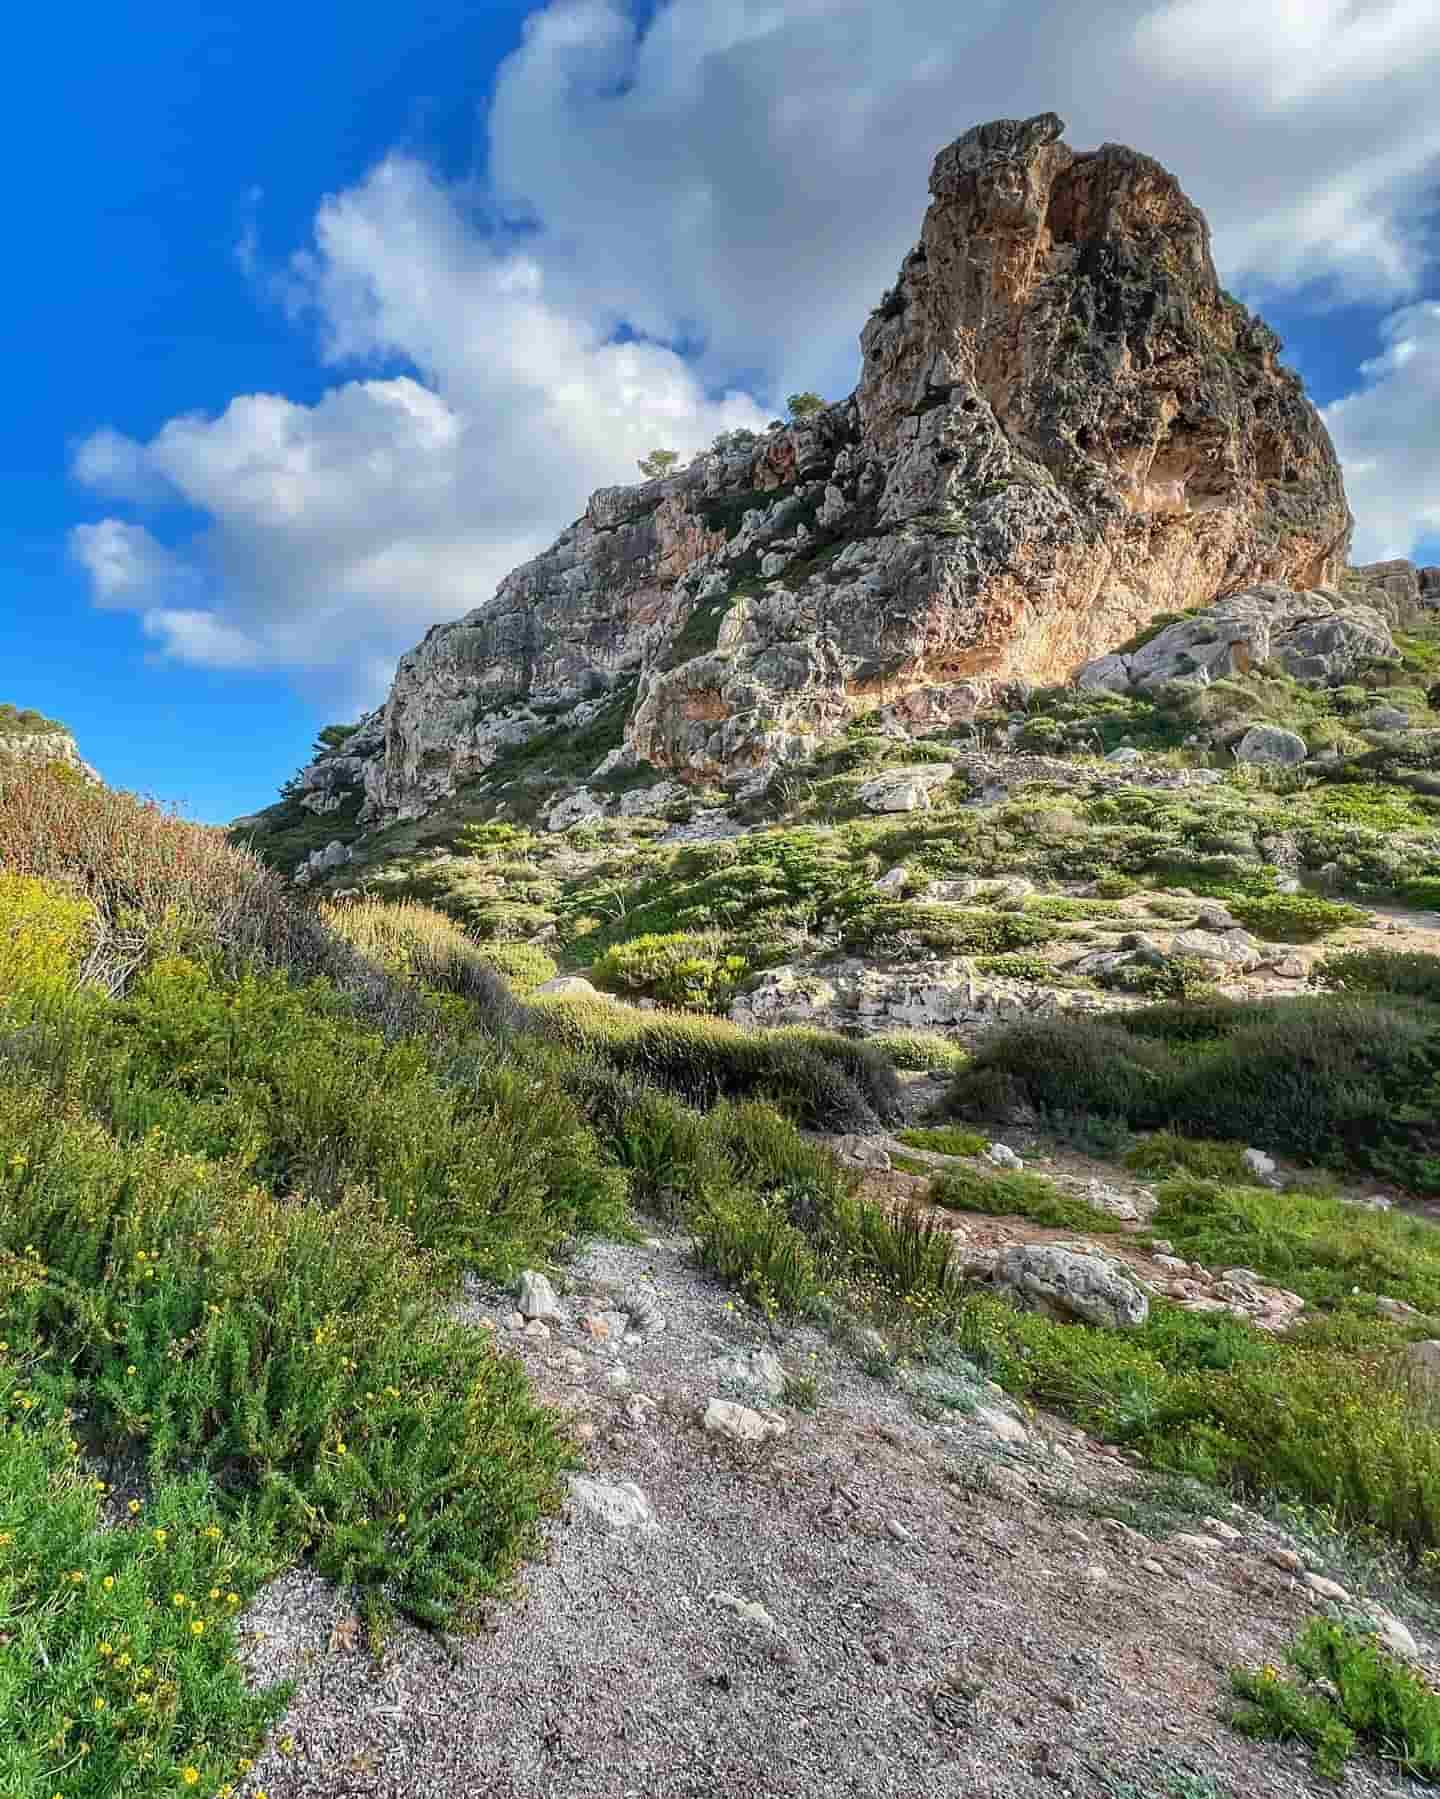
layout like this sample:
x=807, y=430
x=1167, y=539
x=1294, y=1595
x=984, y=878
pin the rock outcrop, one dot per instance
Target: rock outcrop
x=21, y=742
x=1063, y=426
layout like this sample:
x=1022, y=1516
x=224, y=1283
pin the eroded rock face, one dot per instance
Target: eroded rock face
x=1320, y=635
x=1063, y=425
x=43, y=747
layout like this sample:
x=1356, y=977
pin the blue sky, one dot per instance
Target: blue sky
x=321, y=317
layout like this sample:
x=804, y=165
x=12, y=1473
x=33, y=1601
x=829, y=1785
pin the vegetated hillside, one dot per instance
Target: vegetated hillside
x=211, y=1088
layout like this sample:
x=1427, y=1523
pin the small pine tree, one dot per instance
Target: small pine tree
x=805, y=405
x=658, y=462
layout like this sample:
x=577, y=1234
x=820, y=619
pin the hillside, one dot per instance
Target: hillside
x=811, y=1165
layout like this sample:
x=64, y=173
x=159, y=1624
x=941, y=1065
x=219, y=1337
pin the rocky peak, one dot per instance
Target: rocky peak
x=1063, y=426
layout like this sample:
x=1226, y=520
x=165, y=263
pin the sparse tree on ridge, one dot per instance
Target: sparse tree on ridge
x=658, y=462
x=805, y=405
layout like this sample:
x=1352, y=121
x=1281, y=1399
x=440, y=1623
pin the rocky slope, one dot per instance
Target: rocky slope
x=1063, y=426
x=29, y=737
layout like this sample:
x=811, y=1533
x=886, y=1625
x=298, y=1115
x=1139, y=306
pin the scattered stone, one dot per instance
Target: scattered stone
x=1003, y=1156
x=644, y=1314
x=617, y=1379
x=535, y=1298
x=739, y=1424
x=1202, y=1545
x=1259, y=1164
x=1393, y=1633
x=757, y=1368
x=900, y=1532
x=1423, y=1361
x=1230, y=949
x=863, y=1152
x=617, y=1505
x=572, y=1361
x=1126, y=753
x=749, y=1609
x=1048, y=1278
x=1285, y=1559
x=537, y=1331
x=1323, y=1588
x=1151, y=1566
x=1162, y=1246
x=1001, y=1424
x=514, y=1321
x=1227, y=1533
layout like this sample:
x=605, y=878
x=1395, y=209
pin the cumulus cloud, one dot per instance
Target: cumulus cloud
x=688, y=207
x=124, y=562
x=1388, y=436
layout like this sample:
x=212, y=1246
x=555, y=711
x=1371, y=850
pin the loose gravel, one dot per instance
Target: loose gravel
x=892, y=1597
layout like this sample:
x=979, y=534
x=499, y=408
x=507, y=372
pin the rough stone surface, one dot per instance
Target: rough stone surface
x=904, y=789
x=1271, y=746
x=1063, y=425
x=1047, y=1278
x=615, y=1505
x=1322, y=634
x=536, y=1298
x=741, y=1424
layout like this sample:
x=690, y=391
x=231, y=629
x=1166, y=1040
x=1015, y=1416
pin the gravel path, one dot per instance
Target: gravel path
x=887, y=1598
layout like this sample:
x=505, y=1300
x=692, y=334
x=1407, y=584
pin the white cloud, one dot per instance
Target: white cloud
x=124, y=562
x=740, y=177
x=1388, y=435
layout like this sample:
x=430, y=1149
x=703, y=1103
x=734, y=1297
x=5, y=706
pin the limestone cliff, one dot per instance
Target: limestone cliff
x=1063, y=426
x=27, y=737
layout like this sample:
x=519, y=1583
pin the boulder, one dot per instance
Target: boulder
x=576, y=808
x=904, y=789
x=1271, y=746
x=1064, y=1284
x=570, y=986
x=1228, y=949
x=1316, y=635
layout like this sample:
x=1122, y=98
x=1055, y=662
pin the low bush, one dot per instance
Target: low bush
x=1350, y=1693
x=823, y=1081
x=945, y=1140
x=522, y=966
x=107, y=1685
x=1312, y=1243
x=1016, y=1195
x=1166, y=1153
x=900, y=924
x=678, y=968
x=1019, y=967
x=1412, y=974
x=922, y=1051
x=1294, y=917
x=1342, y=1081
x=1177, y=977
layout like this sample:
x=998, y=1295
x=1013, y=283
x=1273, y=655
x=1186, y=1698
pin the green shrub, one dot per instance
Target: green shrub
x=1310, y=1242
x=1340, y=1081
x=920, y=1050
x=1294, y=917
x=1164, y=1153
x=107, y=1685
x=902, y=923
x=523, y=966
x=1177, y=977
x=1423, y=893
x=820, y=1080
x=485, y=1162
x=1019, y=967
x=1016, y=1195
x=185, y=1301
x=1351, y=1691
x=677, y=968
x=1413, y=974
x=945, y=1140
